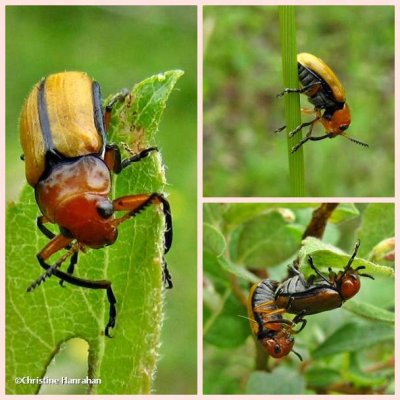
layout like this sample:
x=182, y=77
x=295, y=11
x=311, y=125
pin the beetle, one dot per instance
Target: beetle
x=324, y=90
x=69, y=163
x=318, y=294
x=266, y=322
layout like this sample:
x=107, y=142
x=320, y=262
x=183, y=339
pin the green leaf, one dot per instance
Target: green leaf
x=229, y=326
x=280, y=381
x=238, y=270
x=236, y=214
x=354, y=337
x=321, y=377
x=325, y=256
x=212, y=269
x=38, y=323
x=344, y=212
x=212, y=213
x=266, y=241
x=369, y=311
x=213, y=239
x=358, y=377
x=377, y=224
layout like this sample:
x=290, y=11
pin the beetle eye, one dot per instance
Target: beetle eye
x=343, y=127
x=105, y=209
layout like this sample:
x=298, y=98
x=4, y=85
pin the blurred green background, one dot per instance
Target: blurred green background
x=121, y=46
x=243, y=74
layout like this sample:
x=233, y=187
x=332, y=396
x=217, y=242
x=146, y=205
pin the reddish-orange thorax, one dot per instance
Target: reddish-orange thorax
x=339, y=121
x=71, y=195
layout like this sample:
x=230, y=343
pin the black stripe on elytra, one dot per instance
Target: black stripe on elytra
x=44, y=118
x=52, y=155
x=98, y=113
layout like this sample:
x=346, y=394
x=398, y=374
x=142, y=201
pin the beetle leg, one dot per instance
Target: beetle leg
x=137, y=203
x=298, y=145
x=314, y=138
x=288, y=90
x=299, y=319
x=303, y=125
x=302, y=141
x=316, y=270
x=280, y=129
x=265, y=308
x=286, y=322
x=294, y=270
x=57, y=244
x=353, y=256
x=307, y=110
x=112, y=157
x=71, y=267
x=303, y=279
x=108, y=109
x=302, y=90
x=48, y=233
x=40, y=221
x=137, y=157
x=290, y=323
x=290, y=301
x=308, y=135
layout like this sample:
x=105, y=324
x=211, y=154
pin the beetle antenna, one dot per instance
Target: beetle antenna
x=298, y=355
x=47, y=274
x=250, y=319
x=366, y=275
x=356, y=141
x=50, y=271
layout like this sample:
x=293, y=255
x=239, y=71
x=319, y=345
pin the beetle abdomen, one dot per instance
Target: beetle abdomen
x=321, y=94
x=264, y=293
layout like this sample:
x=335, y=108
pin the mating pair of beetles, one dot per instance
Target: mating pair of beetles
x=69, y=164
x=268, y=300
x=324, y=90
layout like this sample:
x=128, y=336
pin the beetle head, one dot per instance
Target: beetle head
x=349, y=284
x=279, y=345
x=349, y=281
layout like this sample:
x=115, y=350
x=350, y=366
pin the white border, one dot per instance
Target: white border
x=201, y=199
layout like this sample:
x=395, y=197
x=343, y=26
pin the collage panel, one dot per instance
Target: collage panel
x=345, y=57
x=80, y=318
x=298, y=298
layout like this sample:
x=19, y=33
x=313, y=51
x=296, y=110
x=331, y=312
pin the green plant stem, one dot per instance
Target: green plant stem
x=292, y=100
